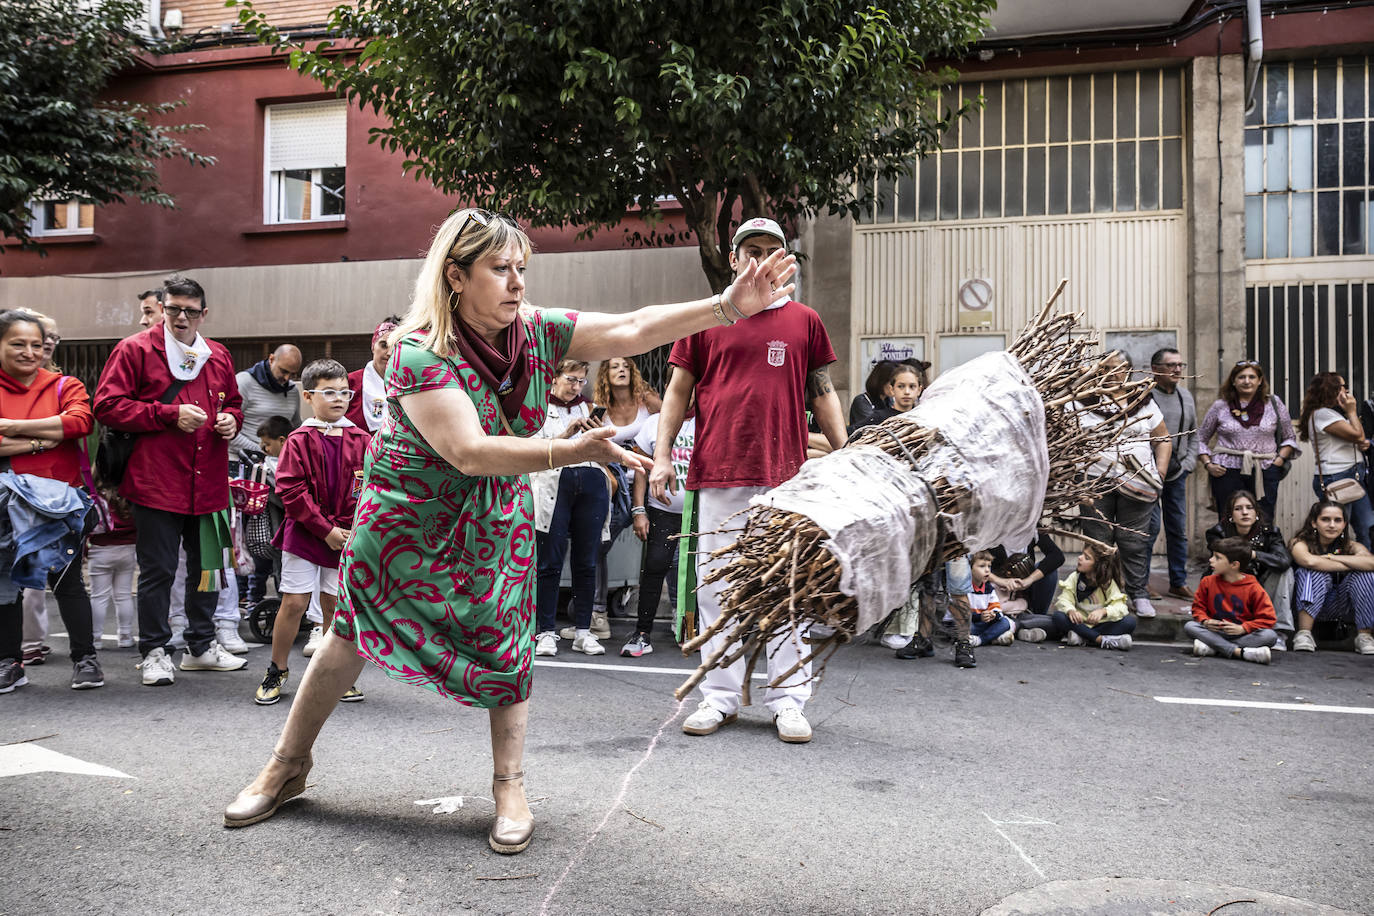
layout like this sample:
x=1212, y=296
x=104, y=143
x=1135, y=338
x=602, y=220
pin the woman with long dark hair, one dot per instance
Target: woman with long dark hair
x=1330, y=420
x=1254, y=438
x=1334, y=579
x=1269, y=562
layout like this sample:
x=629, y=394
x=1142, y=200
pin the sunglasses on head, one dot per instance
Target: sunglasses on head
x=1248, y=362
x=484, y=219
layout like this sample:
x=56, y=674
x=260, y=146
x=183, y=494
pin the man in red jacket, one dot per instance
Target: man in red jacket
x=368, y=406
x=177, y=391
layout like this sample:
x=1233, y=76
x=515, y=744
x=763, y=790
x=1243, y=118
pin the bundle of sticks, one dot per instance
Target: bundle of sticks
x=779, y=574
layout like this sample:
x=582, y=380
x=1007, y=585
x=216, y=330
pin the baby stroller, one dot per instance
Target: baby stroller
x=263, y=514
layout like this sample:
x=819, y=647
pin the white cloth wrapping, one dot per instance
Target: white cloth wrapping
x=881, y=517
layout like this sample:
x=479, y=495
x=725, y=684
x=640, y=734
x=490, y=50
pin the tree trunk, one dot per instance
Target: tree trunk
x=702, y=215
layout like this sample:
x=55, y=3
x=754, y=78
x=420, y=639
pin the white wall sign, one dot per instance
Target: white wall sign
x=873, y=349
x=975, y=303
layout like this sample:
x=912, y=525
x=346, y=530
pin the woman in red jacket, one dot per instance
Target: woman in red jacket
x=43, y=415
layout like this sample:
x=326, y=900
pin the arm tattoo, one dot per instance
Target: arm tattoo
x=818, y=383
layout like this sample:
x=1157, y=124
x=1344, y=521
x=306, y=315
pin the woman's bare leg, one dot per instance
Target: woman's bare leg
x=507, y=756
x=333, y=669
x=285, y=627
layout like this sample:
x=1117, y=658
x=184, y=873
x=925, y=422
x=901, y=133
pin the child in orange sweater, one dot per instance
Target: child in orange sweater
x=1232, y=614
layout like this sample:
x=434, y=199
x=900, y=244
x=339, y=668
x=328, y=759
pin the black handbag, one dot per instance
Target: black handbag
x=116, y=446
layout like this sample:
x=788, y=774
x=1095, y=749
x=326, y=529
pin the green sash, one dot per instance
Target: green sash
x=215, y=538
x=685, y=619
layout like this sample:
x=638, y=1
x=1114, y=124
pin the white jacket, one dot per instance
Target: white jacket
x=544, y=484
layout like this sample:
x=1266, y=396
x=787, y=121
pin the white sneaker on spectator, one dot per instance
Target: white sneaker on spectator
x=792, y=726
x=1005, y=639
x=588, y=645
x=601, y=625
x=546, y=644
x=1364, y=644
x=212, y=659
x=227, y=635
x=1073, y=639
x=314, y=642
x=1201, y=649
x=1032, y=634
x=125, y=641
x=706, y=720
x=1143, y=608
x=1120, y=643
x=157, y=669
x=1259, y=656
x=894, y=641
x=975, y=641
x=1281, y=644
x=1303, y=641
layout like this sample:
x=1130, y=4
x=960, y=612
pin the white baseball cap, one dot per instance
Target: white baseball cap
x=757, y=226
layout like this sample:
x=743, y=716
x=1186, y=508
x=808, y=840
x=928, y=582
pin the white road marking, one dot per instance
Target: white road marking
x=1255, y=704
x=22, y=759
x=996, y=825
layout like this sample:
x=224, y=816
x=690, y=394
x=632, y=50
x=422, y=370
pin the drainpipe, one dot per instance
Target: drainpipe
x=1254, y=47
x=155, y=19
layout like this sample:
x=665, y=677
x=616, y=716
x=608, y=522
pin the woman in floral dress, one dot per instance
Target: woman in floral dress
x=438, y=579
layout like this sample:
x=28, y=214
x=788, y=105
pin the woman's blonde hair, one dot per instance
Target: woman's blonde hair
x=463, y=239
x=601, y=394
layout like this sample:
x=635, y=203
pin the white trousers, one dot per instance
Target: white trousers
x=723, y=688
x=111, y=570
x=35, y=617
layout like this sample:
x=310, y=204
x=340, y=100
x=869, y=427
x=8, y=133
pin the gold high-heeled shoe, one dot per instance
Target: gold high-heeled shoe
x=509, y=836
x=250, y=808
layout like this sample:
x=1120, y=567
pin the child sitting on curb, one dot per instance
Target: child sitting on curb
x=987, y=625
x=1232, y=614
x=1091, y=604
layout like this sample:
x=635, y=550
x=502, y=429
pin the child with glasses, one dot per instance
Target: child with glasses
x=319, y=477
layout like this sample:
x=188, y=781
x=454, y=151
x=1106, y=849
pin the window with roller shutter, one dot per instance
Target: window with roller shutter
x=305, y=162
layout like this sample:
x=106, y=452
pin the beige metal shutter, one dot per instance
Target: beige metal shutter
x=310, y=135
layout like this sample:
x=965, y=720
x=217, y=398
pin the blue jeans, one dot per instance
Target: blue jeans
x=1359, y=514
x=1172, y=511
x=578, y=516
x=987, y=632
x=1233, y=480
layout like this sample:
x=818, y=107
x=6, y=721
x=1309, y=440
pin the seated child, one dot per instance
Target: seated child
x=1232, y=615
x=955, y=581
x=988, y=625
x=1091, y=605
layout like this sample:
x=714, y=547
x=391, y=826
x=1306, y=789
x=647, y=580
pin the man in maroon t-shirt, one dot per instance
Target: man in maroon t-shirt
x=753, y=383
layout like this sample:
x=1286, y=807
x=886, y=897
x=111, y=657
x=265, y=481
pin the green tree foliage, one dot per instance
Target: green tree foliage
x=59, y=138
x=570, y=112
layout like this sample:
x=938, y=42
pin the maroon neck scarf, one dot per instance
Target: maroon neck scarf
x=566, y=405
x=1251, y=414
x=504, y=368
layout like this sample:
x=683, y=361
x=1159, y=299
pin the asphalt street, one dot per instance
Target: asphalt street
x=1049, y=780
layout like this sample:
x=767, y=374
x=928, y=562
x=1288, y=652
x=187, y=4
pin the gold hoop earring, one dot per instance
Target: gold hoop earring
x=452, y=299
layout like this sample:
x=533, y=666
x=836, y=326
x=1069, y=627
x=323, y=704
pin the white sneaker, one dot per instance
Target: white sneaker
x=1303, y=641
x=601, y=625
x=792, y=726
x=1259, y=656
x=314, y=642
x=1202, y=650
x=228, y=637
x=126, y=642
x=975, y=641
x=1364, y=644
x=893, y=641
x=1005, y=639
x=157, y=669
x=706, y=720
x=1121, y=643
x=1072, y=639
x=212, y=659
x=1281, y=644
x=1031, y=634
x=1143, y=608
x=588, y=645
x=546, y=644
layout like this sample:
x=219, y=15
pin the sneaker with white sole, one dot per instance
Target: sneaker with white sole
x=546, y=644
x=313, y=643
x=637, y=646
x=792, y=726
x=706, y=720
x=1120, y=643
x=157, y=669
x=12, y=675
x=1259, y=655
x=588, y=645
x=125, y=641
x=1303, y=641
x=212, y=659
x=1143, y=608
x=975, y=641
x=601, y=625
x=352, y=695
x=1202, y=650
x=1073, y=639
x=1032, y=634
x=228, y=636
x=86, y=674
x=894, y=641
x=1364, y=644
x=1005, y=639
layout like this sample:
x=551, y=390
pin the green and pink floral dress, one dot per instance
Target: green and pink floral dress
x=438, y=582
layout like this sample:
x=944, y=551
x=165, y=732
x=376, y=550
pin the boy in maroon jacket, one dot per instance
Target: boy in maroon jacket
x=1232, y=614
x=319, y=476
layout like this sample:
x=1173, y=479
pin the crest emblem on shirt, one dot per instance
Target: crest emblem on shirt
x=376, y=408
x=777, y=352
